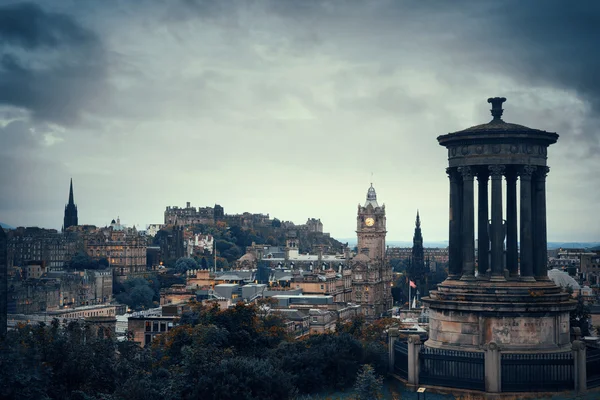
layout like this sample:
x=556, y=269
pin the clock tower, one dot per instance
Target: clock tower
x=370, y=227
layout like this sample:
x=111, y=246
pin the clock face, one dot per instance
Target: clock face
x=369, y=222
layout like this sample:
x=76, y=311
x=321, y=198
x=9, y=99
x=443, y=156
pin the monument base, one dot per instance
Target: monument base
x=516, y=315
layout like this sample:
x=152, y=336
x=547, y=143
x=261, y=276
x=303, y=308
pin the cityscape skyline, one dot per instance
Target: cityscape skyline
x=282, y=108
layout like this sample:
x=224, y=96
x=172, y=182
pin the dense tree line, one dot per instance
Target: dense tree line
x=143, y=293
x=212, y=354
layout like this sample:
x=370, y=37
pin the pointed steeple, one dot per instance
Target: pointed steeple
x=417, y=249
x=71, y=201
x=70, y=218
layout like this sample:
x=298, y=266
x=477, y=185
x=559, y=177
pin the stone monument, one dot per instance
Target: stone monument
x=498, y=296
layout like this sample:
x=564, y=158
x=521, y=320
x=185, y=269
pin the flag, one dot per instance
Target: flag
x=412, y=284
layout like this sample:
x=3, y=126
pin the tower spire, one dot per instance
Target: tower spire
x=70, y=218
x=71, y=201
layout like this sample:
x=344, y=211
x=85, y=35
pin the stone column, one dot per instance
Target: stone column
x=483, y=239
x=414, y=347
x=493, y=381
x=512, y=252
x=540, y=265
x=580, y=360
x=526, y=224
x=497, y=229
x=392, y=337
x=454, y=246
x=468, y=228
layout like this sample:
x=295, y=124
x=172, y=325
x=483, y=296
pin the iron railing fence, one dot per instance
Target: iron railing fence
x=542, y=372
x=593, y=367
x=401, y=358
x=452, y=368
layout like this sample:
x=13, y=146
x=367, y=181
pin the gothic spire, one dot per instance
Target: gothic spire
x=71, y=193
x=417, y=249
x=70, y=218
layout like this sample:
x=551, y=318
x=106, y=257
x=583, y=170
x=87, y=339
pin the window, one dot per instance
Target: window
x=163, y=327
x=147, y=339
x=315, y=319
x=148, y=326
x=155, y=326
x=322, y=287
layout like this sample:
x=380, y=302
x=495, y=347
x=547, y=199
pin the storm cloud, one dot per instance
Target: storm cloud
x=50, y=65
x=287, y=107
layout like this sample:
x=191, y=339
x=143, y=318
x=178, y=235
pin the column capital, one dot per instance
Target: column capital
x=452, y=174
x=542, y=172
x=527, y=171
x=466, y=172
x=496, y=171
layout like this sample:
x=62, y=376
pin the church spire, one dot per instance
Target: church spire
x=70, y=218
x=71, y=193
x=417, y=249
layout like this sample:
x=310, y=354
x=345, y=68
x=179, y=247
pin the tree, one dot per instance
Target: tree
x=81, y=261
x=368, y=385
x=184, y=264
x=580, y=316
x=276, y=223
x=137, y=293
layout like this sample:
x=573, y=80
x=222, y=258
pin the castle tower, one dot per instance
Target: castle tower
x=70, y=218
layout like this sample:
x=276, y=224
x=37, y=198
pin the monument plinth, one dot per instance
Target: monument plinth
x=498, y=293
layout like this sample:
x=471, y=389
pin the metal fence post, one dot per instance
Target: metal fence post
x=493, y=380
x=392, y=336
x=414, y=347
x=580, y=361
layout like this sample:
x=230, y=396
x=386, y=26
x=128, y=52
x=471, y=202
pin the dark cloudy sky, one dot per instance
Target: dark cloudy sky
x=286, y=107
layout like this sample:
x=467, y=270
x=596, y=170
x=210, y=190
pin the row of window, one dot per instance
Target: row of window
x=156, y=326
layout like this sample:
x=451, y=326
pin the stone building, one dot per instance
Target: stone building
x=433, y=254
x=326, y=283
x=314, y=225
x=124, y=248
x=189, y=215
x=143, y=329
x=58, y=290
x=371, y=273
x=590, y=268
x=171, y=241
x=47, y=246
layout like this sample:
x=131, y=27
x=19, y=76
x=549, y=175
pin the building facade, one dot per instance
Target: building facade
x=46, y=246
x=124, y=248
